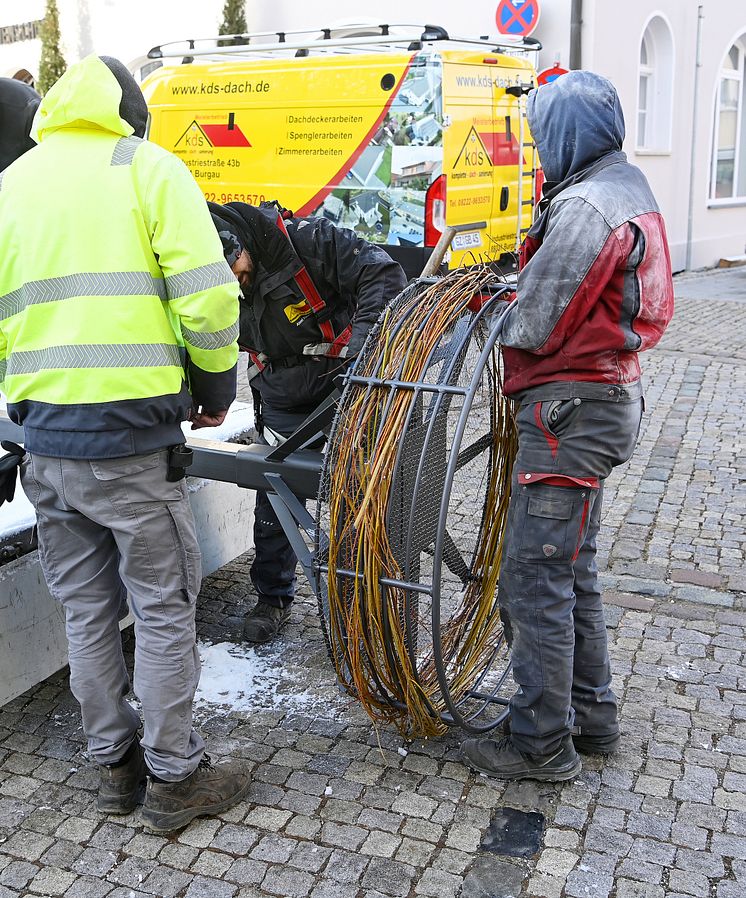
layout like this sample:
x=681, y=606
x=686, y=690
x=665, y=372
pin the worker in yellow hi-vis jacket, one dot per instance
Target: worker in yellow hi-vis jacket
x=118, y=321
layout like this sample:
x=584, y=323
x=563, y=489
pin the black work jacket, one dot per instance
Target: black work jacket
x=355, y=280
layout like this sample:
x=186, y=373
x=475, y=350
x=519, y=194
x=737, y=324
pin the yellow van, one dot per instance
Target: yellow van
x=394, y=137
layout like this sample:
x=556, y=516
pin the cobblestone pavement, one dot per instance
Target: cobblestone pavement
x=337, y=811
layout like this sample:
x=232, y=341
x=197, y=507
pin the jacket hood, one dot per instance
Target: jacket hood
x=89, y=95
x=257, y=232
x=18, y=103
x=575, y=120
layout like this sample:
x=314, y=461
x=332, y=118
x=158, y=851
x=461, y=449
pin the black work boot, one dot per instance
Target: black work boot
x=207, y=790
x=500, y=758
x=596, y=743
x=264, y=621
x=120, y=783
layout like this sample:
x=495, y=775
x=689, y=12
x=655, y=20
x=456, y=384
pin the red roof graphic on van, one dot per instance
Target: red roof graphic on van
x=229, y=135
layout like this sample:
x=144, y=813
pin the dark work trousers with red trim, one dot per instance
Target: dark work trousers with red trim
x=273, y=569
x=550, y=601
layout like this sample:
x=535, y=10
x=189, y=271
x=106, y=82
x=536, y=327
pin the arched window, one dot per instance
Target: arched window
x=655, y=86
x=729, y=145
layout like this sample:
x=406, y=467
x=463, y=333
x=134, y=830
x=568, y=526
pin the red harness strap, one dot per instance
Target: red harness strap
x=314, y=300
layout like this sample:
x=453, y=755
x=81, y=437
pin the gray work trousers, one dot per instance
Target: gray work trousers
x=550, y=601
x=112, y=527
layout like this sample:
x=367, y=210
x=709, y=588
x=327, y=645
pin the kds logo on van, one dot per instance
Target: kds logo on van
x=473, y=153
x=202, y=135
x=489, y=148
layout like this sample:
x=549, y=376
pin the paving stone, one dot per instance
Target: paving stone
x=287, y=883
x=131, y=871
x=309, y=857
x=415, y=852
x=179, y=856
x=332, y=889
x=200, y=832
x=729, y=846
x=88, y=887
x=556, y=862
x=302, y=827
x=439, y=884
x=345, y=866
x=166, y=882
x=94, y=862
x=414, y=806
x=343, y=836
x=700, y=862
x=689, y=883
x=641, y=871
x=61, y=854
x=491, y=877
x=727, y=889
x=18, y=874
x=450, y=860
x=202, y=887
x=626, y=888
x=388, y=876
x=274, y=849
x=211, y=863
x=27, y=846
x=541, y=886
x=380, y=844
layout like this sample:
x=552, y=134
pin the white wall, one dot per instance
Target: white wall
x=716, y=232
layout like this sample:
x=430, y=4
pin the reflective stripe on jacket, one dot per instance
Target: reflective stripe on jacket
x=113, y=287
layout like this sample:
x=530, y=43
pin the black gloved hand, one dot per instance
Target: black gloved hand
x=9, y=469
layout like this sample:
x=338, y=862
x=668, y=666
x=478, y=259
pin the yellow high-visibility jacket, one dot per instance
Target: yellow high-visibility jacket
x=115, y=298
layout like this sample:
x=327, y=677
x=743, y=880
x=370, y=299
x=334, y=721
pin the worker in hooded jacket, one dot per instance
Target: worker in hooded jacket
x=310, y=292
x=118, y=321
x=18, y=104
x=594, y=290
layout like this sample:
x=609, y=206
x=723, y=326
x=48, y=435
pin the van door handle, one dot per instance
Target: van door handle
x=504, y=197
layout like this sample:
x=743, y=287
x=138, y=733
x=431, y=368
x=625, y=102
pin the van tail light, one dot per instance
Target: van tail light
x=539, y=184
x=435, y=210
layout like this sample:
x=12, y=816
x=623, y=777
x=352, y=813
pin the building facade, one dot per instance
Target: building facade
x=679, y=67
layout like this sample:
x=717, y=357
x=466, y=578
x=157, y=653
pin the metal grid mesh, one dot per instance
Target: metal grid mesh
x=418, y=471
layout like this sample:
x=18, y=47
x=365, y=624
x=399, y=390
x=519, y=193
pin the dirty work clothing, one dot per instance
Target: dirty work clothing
x=594, y=287
x=354, y=279
x=273, y=569
x=106, y=527
x=117, y=308
x=550, y=601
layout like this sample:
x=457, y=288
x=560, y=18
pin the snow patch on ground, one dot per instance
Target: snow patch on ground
x=236, y=678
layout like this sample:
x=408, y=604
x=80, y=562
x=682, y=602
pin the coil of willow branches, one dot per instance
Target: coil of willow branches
x=414, y=496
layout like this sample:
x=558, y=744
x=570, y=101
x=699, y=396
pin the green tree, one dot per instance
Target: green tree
x=234, y=19
x=52, y=64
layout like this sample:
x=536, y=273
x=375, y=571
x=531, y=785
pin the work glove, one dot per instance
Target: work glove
x=9, y=469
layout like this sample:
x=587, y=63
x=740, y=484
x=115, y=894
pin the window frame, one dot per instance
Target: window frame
x=656, y=136
x=738, y=74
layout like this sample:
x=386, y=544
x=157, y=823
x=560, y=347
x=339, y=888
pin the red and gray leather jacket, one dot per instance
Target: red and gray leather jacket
x=595, y=286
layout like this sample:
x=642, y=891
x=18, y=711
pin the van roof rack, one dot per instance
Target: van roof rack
x=306, y=40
